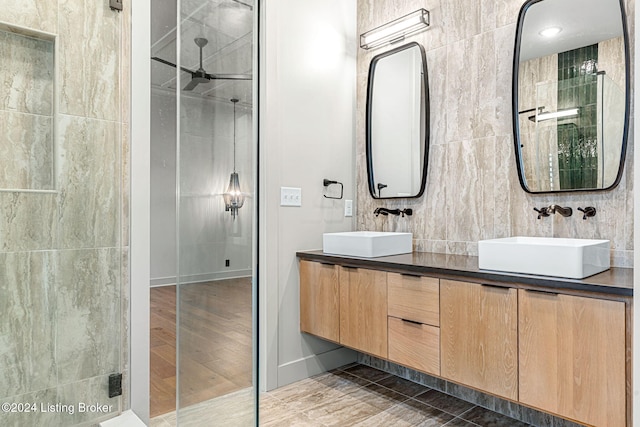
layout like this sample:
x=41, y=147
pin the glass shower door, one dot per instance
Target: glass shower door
x=215, y=215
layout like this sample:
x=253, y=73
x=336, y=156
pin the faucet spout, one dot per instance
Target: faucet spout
x=386, y=211
x=565, y=212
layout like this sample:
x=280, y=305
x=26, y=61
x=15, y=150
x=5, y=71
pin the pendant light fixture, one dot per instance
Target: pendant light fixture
x=233, y=197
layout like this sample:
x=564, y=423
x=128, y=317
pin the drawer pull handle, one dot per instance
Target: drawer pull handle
x=536, y=291
x=496, y=286
x=413, y=322
x=328, y=263
x=411, y=275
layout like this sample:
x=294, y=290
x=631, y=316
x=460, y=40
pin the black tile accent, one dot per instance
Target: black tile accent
x=367, y=372
x=444, y=402
x=486, y=418
x=403, y=386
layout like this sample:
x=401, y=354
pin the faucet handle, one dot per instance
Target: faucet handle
x=589, y=211
x=542, y=212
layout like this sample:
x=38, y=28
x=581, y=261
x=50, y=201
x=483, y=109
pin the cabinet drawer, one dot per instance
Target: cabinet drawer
x=414, y=298
x=414, y=345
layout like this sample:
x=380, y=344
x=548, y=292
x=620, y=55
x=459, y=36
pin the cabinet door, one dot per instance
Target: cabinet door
x=478, y=336
x=572, y=357
x=363, y=310
x=320, y=300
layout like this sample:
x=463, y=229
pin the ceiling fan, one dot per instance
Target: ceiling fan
x=200, y=75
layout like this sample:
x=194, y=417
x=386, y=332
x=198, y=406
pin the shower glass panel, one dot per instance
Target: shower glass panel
x=215, y=286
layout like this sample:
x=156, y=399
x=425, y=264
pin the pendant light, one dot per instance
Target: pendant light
x=233, y=197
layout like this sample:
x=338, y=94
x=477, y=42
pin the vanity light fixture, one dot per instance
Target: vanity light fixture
x=571, y=112
x=233, y=197
x=396, y=30
x=550, y=32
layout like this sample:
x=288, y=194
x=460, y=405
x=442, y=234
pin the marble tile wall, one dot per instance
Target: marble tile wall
x=64, y=281
x=473, y=191
x=26, y=116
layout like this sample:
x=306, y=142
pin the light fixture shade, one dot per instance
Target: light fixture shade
x=571, y=112
x=395, y=30
x=233, y=197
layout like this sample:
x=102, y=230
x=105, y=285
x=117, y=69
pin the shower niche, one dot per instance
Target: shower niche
x=27, y=109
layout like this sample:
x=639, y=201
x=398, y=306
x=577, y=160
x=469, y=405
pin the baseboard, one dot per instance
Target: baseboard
x=315, y=364
x=199, y=278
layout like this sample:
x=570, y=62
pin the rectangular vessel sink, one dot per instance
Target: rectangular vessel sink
x=367, y=244
x=547, y=256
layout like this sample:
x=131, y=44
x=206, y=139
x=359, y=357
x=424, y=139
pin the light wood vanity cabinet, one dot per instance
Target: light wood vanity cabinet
x=363, y=310
x=320, y=300
x=479, y=336
x=414, y=319
x=572, y=356
x=566, y=354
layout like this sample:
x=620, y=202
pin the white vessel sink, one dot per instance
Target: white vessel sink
x=367, y=244
x=547, y=256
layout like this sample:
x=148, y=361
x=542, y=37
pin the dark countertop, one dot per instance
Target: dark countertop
x=615, y=281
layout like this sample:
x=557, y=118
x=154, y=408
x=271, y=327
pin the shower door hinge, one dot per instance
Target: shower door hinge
x=115, y=385
x=115, y=5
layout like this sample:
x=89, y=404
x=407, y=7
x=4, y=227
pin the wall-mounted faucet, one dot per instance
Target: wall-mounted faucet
x=386, y=211
x=546, y=211
x=565, y=212
x=588, y=212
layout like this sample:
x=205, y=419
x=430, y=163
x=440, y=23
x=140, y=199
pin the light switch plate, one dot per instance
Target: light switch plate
x=290, y=196
x=348, y=208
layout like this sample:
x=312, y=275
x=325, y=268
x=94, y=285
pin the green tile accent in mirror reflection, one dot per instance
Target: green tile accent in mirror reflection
x=578, y=136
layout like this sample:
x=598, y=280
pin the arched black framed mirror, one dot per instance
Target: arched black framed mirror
x=571, y=95
x=398, y=123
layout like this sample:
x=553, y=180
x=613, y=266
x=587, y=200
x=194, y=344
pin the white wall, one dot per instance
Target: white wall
x=307, y=117
x=140, y=208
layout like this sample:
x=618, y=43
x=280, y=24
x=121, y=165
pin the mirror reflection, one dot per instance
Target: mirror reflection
x=397, y=123
x=570, y=95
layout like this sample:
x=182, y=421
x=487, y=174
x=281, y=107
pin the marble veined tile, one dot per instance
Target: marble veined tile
x=38, y=415
x=90, y=401
x=27, y=329
x=89, y=313
x=27, y=221
x=39, y=15
x=470, y=204
x=89, y=81
x=462, y=19
x=27, y=71
x=89, y=180
x=26, y=150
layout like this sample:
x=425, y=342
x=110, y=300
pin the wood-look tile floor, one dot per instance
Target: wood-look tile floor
x=355, y=395
x=215, y=342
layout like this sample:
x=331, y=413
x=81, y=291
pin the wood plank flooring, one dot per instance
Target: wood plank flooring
x=215, y=342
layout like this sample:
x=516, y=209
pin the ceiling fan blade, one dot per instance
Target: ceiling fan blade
x=228, y=76
x=186, y=70
x=191, y=85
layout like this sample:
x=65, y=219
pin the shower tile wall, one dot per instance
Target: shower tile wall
x=64, y=280
x=472, y=189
